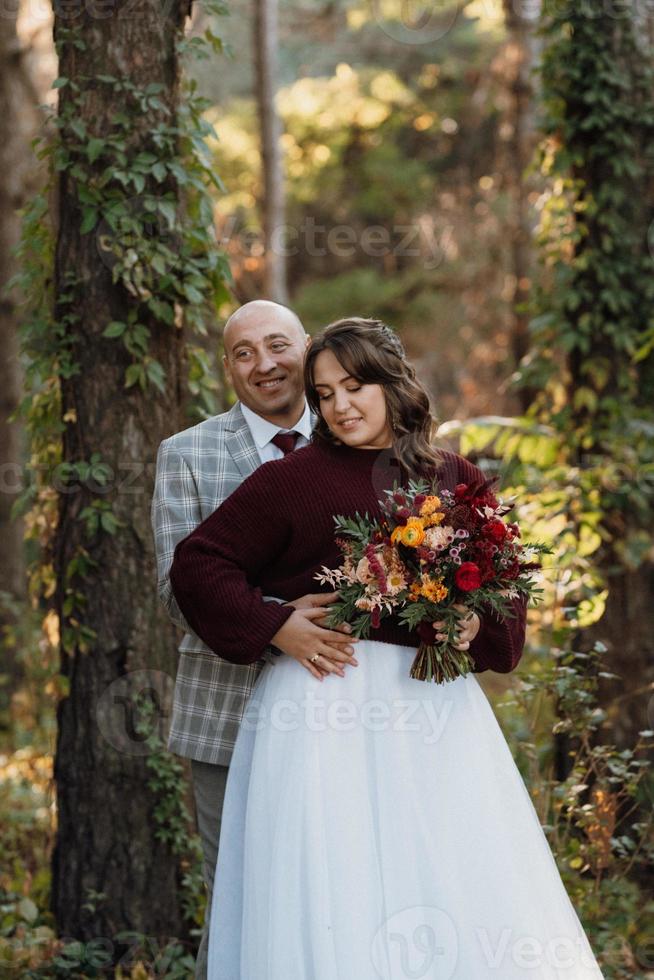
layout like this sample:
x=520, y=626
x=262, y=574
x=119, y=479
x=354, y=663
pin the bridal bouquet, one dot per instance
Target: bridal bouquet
x=431, y=557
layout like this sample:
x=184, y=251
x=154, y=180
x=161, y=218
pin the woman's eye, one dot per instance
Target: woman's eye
x=323, y=398
x=354, y=389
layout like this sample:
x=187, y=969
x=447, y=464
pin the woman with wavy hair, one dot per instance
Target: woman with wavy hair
x=374, y=825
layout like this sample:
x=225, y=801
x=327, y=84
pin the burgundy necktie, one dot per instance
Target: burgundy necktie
x=285, y=441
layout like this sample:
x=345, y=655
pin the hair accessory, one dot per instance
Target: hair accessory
x=389, y=334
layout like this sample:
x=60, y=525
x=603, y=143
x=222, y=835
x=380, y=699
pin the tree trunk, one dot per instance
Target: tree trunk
x=110, y=872
x=627, y=626
x=273, y=204
x=19, y=120
x=627, y=629
x=520, y=56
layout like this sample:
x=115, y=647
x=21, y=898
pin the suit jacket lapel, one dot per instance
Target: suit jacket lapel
x=240, y=444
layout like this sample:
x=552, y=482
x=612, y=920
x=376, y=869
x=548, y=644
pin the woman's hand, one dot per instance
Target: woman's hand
x=314, y=600
x=302, y=638
x=467, y=627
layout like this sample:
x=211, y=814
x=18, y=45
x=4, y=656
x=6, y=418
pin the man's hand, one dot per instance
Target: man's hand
x=302, y=638
x=466, y=628
x=324, y=601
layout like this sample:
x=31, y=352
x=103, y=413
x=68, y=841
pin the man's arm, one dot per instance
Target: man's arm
x=175, y=513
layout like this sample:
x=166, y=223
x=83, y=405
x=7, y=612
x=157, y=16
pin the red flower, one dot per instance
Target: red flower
x=468, y=576
x=375, y=618
x=512, y=571
x=487, y=570
x=462, y=517
x=496, y=531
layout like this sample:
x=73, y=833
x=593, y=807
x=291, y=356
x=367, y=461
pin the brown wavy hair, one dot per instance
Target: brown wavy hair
x=372, y=353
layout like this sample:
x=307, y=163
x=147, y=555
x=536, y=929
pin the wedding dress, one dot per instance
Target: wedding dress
x=376, y=826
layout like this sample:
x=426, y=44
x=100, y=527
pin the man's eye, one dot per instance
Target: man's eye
x=242, y=354
x=279, y=347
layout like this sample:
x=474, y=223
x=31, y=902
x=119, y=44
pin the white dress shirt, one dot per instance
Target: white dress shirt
x=263, y=431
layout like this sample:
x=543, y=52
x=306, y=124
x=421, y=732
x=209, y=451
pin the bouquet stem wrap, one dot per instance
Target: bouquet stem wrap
x=438, y=661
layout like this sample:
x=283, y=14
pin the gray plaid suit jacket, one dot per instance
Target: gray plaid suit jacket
x=196, y=470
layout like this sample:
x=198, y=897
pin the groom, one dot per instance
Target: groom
x=264, y=347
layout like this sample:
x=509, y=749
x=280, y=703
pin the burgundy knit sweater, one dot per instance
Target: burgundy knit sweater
x=276, y=530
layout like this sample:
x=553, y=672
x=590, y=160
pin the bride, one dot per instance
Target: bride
x=374, y=826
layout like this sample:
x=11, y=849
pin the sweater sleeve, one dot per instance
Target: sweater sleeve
x=500, y=641
x=214, y=566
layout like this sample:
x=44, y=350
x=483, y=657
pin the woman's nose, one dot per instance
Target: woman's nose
x=341, y=401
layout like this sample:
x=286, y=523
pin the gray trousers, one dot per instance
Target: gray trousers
x=209, y=781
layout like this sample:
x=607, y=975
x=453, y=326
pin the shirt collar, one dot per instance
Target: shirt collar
x=263, y=431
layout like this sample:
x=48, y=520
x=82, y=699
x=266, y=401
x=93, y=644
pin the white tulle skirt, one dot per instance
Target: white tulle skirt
x=376, y=826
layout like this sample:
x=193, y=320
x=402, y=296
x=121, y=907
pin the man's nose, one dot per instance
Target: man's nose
x=265, y=362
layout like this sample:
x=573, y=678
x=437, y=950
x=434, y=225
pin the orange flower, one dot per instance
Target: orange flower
x=429, y=506
x=433, y=589
x=413, y=534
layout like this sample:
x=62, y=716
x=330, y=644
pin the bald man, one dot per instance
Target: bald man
x=264, y=347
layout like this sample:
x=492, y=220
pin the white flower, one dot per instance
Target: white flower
x=438, y=538
x=363, y=573
x=395, y=582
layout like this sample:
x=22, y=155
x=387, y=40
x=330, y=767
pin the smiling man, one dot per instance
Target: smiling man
x=264, y=353
x=197, y=469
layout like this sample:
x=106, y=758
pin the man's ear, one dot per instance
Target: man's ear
x=307, y=342
x=226, y=369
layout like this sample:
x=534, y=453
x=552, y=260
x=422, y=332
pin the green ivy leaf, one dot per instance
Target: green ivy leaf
x=94, y=148
x=109, y=523
x=89, y=220
x=114, y=329
x=156, y=375
x=134, y=375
